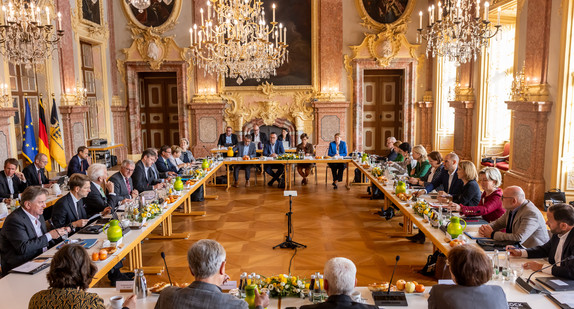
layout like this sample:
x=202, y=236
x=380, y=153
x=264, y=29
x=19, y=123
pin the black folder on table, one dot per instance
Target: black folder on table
x=475, y=221
x=557, y=284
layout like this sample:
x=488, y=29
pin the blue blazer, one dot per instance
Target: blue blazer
x=454, y=189
x=469, y=194
x=333, y=149
x=164, y=167
x=279, y=150
x=75, y=167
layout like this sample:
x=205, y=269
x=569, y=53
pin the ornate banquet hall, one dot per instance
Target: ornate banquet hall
x=491, y=82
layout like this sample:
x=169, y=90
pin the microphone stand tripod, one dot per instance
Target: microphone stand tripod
x=289, y=243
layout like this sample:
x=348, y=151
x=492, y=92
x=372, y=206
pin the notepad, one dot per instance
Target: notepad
x=474, y=235
x=86, y=243
x=32, y=267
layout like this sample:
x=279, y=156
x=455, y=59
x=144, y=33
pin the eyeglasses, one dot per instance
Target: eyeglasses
x=128, y=169
x=503, y=197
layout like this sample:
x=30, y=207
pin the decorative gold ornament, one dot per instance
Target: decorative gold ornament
x=400, y=15
x=463, y=94
x=169, y=23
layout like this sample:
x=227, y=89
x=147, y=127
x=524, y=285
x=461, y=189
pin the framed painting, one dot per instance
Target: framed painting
x=91, y=11
x=297, y=16
x=161, y=14
x=384, y=13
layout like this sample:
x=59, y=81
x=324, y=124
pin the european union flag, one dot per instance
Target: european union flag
x=29, y=149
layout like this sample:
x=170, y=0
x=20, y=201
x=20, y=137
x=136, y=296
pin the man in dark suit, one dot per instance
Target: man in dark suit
x=274, y=149
x=448, y=178
x=35, y=173
x=102, y=196
x=258, y=138
x=209, y=274
x=339, y=281
x=145, y=176
x=163, y=163
x=79, y=162
x=392, y=153
x=227, y=139
x=24, y=234
x=244, y=148
x=123, y=184
x=561, y=245
x=12, y=182
x=70, y=210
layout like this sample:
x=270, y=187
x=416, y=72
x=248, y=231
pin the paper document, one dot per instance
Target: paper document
x=565, y=298
x=94, y=216
x=30, y=267
x=559, y=282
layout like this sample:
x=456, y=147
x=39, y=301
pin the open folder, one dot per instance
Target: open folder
x=32, y=267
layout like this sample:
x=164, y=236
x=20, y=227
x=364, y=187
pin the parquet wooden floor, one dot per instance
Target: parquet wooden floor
x=248, y=222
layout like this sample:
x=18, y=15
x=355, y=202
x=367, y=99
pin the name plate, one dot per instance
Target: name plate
x=124, y=285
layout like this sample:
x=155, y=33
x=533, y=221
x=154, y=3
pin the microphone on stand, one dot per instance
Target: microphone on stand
x=166, y=269
x=393, y=274
x=389, y=298
x=532, y=288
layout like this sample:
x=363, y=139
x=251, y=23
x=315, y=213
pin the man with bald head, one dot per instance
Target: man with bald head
x=522, y=220
x=448, y=181
x=259, y=138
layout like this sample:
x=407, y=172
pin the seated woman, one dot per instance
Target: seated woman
x=470, y=193
x=423, y=166
x=490, y=205
x=399, y=157
x=304, y=169
x=470, y=269
x=337, y=148
x=436, y=167
x=186, y=155
x=175, y=158
x=285, y=138
x=71, y=272
x=407, y=164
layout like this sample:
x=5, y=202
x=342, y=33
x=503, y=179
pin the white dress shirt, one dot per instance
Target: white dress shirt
x=450, y=178
x=37, y=227
x=557, y=255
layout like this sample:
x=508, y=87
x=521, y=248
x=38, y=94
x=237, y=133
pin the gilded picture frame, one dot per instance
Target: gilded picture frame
x=160, y=15
x=91, y=12
x=385, y=14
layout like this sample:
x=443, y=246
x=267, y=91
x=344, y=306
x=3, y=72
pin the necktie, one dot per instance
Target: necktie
x=509, y=223
x=81, y=165
x=102, y=192
x=78, y=209
x=149, y=174
x=128, y=185
x=39, y=177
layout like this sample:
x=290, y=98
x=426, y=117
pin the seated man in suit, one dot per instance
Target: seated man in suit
x=522, y=220
x=561, y=245
x=227, y=139
x=340, y=280
x=123, y=184
x=12, y=182
x=337, y=148
x=24, y=234
x=145, y=176
x=163, y=163
x=70, y=210
x=244, y=148
x=392, y=153
x=35, y=173
x=207, y=263
x=274, y=149
x=259, y=139
x=98, y=199
x=448, y=179
x=79, y=162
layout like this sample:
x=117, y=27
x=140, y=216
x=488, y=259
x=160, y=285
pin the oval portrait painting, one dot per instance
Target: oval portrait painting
x=157, y=14
x=385, y=11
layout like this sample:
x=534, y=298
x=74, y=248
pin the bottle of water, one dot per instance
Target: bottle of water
x=495, y=265
x=140, y=284
x=506, y=272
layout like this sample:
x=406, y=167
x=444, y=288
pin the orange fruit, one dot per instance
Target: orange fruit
x=419, y=288
x=95, y=256
x=103, y=254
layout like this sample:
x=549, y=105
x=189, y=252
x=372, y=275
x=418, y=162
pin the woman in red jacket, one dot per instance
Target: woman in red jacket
x=490, y=205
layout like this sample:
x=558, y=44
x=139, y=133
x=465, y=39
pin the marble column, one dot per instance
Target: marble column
x=5, y=150
x=74, y=127
x=206, y=118
x=527, y=148
x=66, y=47
x=426, y=109
x=120, y=121
x=330, y=118
x=330, y=45
x=463, y=111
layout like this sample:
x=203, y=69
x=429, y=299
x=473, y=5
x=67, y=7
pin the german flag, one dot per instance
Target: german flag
x=43, y=146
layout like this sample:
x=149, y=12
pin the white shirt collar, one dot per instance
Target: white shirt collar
x=32, y=218
x=97, y=185
x=74, y=198
x=451, y=174
x=564, y=236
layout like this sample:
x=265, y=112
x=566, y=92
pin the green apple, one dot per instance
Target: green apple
x=410, y=287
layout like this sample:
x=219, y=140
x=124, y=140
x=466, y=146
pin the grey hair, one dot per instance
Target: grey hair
x=205, y=258
x=493, y=174
x=392, y=139
x=96, y=171
x=340, y=274
x=453, y=156
x=127, y=162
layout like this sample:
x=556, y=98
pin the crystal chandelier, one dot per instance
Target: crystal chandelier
x=27, y=35
x=235, y=41
x=456, y=31
x=139, y=4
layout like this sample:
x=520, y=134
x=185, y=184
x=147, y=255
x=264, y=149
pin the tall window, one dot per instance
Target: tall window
x=444, y=119
x=499, y=81
x=23, y=84
x=90, y=85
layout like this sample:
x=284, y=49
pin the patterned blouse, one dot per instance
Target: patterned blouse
x=66, y=299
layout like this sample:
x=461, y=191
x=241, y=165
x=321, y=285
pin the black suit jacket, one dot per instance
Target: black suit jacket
x=141, y=181
x=120, y=187
x=252, y=152
x=95, y=202
x=455, y=187
x=64, y=211
x=566, y=269
x=221, y=140
x=262, y=138
x=75, y=167
x=339, y=302
x=469, y=194
x=163, y=167
x=17, y=185
x=18, y=240
x=32, y=177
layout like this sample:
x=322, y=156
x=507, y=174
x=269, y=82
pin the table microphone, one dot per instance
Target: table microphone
x=393, y=274
x=543, y=268
x=166, y=269
x=534, y=289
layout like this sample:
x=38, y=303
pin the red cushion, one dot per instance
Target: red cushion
x=502, y=166
x=486, y=164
